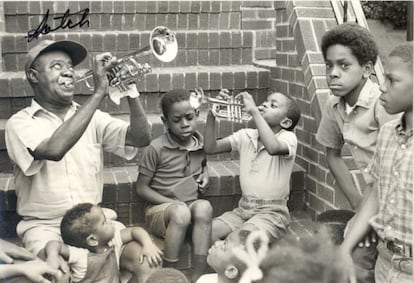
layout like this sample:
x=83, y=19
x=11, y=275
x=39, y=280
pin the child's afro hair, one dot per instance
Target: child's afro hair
x=171, y=97
x=404, y=51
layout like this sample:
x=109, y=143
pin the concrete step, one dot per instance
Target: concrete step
x=212, y=47
x=126, y=15
x=119, y=191
x=16, y=92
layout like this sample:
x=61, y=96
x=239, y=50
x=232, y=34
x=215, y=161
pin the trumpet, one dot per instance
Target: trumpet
x=162, y=44
x=231, y=109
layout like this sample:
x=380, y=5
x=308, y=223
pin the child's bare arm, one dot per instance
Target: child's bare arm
x=272, y=145
x=144, y=190
x=342, y=176
x=149, y=249
x=211, y=144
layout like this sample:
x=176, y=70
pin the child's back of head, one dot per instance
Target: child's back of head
x=357, y=38
x=76, y=226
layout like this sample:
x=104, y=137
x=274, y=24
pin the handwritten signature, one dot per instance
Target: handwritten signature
x=65, y=22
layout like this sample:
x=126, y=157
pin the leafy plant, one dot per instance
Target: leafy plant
x=394, y=12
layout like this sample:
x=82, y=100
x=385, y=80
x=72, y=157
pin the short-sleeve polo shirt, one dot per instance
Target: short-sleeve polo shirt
x=171, y=166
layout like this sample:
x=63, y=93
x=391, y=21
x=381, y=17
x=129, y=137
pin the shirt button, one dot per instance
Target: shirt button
x=392, y=201
x=389, y=227
x=355, y=147
x=355, y=111
x=403, y=146
x=395, y=173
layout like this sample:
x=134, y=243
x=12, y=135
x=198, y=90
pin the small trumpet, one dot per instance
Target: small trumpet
x=231, y=109
x=162, y=44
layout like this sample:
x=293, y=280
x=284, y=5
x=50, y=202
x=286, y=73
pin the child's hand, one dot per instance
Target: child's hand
x=152, y=253
x=224, y=94
x=202, y=181
x=36, y=269
x=248, y=101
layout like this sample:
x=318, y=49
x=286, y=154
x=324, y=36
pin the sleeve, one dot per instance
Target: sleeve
x=78, y=262
x=149, y=161
x=235, y=140
x=329, y=134
x=381, y=116
x=116, y=240
x=289, y=138
x=112, y=134
x=21, y=135
x=372, y=169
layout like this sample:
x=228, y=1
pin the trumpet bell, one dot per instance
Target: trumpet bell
x=163, y=44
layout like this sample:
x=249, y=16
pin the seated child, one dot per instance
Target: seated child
x=93, y=246
x=171, y=170
x=267, y=156
x=388, y=208
x=237, y=257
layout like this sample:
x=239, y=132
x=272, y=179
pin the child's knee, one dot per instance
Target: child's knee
x=203, y=211
x=180, y=215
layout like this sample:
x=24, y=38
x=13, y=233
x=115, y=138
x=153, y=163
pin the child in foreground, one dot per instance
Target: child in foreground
x=172, y=170
x=267, y=156
x=388, y=208
x=93, y=246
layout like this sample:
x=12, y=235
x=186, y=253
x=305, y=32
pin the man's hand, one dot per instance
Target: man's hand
x=102, y=64
x=202, y=181
x=248, y=101
x=9, y=252
x=152, y=253
x=36, y=269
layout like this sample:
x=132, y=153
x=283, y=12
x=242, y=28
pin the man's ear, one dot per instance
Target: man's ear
x=32, y=75
x=368, y=69
x=231, y=272
x=92, y=241
x=286, y=123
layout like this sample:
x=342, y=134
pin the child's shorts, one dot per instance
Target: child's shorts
x=271, y=216
x=155, y=216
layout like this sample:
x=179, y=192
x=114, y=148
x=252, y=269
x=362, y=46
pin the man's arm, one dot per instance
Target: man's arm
x=66, y=136
x=211, y=144
x=143, y=190
x=139, y=130
x=342, y=176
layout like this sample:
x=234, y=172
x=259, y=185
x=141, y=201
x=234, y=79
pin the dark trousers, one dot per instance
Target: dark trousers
x=364, y=258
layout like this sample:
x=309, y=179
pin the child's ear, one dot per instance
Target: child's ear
x=92, y=241
x=197, y=112
x=368, y=69
x=164, y=120
x=231, y=272
x=286, y=123
x=32, y=75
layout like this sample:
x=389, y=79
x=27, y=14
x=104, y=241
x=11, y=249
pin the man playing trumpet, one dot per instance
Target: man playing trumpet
x=57, y=145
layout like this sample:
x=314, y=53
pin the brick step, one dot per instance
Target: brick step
x=119, y=190
x=224, y=128
x=17, y=93
x=213, y=47
x=126, y=15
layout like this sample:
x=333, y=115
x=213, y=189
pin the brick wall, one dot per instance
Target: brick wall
x=300, y=71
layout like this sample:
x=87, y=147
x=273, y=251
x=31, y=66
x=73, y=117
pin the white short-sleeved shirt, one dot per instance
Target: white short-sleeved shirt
x=262, y=175
x=47, y=189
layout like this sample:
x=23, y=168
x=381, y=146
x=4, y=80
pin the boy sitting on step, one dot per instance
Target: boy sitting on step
x=93, y=246
x=267, y=156
x=171, y=171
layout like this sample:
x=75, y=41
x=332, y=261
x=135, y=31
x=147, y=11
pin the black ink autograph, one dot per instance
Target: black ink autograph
x=65, y=22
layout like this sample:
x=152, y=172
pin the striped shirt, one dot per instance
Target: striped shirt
x=392, y=166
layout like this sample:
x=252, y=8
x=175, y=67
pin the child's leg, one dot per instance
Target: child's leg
x=130, y=261
x=177, y=219
x=202, y=214
x=226, y=223
x=219, y=230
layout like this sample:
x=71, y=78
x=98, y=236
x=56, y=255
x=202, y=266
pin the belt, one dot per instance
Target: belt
x=399, y=248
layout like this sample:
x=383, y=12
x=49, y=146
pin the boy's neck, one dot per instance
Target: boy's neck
x=408, y=121
x=352, y=97
x=99, y=249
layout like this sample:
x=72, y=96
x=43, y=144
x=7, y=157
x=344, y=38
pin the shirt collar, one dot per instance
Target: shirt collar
x=168, y=142
x=36, y=107
x=365, y=97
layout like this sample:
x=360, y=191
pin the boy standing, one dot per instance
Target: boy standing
x=171, y=171
x=267, y=156
x=389, y=206
x=93, y=246
x=353, y=115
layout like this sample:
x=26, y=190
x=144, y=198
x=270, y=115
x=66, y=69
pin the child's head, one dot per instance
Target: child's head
x=85, y=226
x=280, y=109
x=179, y=117
x=311, y=259
x=350, y=53
x=397, y=89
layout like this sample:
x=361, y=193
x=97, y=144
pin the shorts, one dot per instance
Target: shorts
x=271, y=216
x=36, y=233
x=155, y=217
